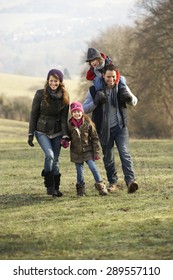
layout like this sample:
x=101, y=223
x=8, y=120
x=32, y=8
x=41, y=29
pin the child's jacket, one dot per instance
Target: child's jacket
x=84, y=142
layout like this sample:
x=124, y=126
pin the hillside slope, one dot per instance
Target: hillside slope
x=16, y=85
x=13, y=131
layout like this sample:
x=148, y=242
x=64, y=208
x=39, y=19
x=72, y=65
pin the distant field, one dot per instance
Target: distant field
x=16, y=85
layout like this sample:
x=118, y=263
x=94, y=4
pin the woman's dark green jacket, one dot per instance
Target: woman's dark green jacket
x=48, y=118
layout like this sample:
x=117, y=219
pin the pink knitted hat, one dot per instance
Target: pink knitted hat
x=76, y=106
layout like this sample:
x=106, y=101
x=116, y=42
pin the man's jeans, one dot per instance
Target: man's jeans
x=92, y=166
x=51, y=149
x=121, y=139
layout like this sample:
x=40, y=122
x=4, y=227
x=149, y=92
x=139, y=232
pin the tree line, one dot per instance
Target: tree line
x=144, y=55
x=17, y=108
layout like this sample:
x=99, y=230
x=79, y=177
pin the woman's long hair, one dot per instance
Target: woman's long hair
x=61, y=88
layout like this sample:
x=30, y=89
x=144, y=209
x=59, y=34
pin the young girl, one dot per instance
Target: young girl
x=48, y=122
x=84, y=148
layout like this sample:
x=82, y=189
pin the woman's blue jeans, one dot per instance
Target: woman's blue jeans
x=51, y=149
x=92, y=166
x=121, y=138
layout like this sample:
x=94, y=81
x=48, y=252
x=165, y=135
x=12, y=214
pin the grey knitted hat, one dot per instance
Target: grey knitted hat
x=92, y=54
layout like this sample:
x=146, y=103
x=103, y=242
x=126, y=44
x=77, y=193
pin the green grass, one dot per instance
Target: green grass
x=118, y=226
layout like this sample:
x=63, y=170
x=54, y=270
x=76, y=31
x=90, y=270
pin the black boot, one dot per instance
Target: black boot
x=49, y=182
x=43, y=174
x=57, y=184
x=80, y=188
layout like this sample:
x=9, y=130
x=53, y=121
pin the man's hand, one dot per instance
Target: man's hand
x=100, y=98
x=125, y=97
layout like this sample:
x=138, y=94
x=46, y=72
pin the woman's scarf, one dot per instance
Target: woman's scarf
x=54, y=94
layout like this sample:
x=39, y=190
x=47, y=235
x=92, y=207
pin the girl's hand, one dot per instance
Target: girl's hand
x=96, y=157
x=65, y=142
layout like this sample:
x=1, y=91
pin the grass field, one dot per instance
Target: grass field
x=118, y=226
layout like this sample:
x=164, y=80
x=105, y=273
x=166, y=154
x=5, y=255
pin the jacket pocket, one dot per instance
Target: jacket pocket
x=41, y=125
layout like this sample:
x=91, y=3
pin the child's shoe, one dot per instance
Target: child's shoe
x=101, y=188
x=80, y=188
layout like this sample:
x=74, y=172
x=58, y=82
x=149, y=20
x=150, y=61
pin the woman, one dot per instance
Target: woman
x=48, y=122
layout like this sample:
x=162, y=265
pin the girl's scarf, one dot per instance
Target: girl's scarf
x=77, y=123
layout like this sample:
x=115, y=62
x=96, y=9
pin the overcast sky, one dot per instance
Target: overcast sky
x=75, y=21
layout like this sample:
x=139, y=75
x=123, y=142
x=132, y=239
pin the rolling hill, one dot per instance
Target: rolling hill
x=16, y=85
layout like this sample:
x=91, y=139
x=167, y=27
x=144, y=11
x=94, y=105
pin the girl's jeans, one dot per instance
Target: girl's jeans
x=92, y=166
x=120, y=137
x=51, y=149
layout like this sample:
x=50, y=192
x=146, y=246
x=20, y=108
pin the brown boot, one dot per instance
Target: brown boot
x=80, y=188
x=101, y=188
x=112, y=188
x=132, y=187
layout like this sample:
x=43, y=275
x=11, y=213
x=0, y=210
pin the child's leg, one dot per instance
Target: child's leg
x=93, y=167
x=80, y=172
x=98, y=83
x=122, y=82
x=99, y=185
x=80, y=185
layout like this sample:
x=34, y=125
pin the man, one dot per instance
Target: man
x=110, y=117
